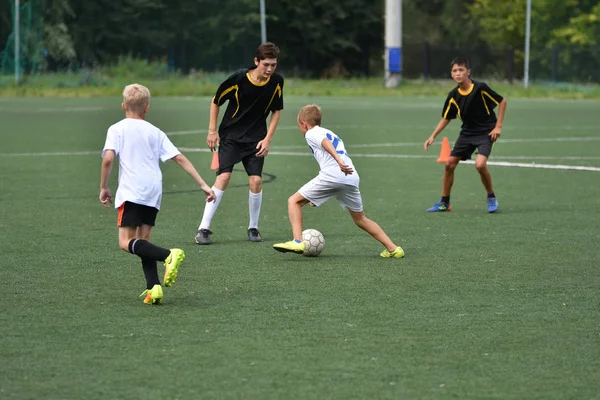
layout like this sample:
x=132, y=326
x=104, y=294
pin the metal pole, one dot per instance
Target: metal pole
x=263, y=22
x=527, y=41
x=17, y=41
x=393, y=43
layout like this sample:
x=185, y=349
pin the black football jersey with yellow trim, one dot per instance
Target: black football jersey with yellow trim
x=249, y=105
x=475, y=108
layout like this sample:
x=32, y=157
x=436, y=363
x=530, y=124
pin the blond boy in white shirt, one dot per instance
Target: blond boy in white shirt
x=140, y=146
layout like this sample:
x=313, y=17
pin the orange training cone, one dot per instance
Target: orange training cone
x=214, y=164
x=445, y=151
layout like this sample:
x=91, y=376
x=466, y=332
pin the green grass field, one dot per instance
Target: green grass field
x=484, y=306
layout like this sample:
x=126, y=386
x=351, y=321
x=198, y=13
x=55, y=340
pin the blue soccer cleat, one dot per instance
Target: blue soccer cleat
x=439, y=207
x=492, y=204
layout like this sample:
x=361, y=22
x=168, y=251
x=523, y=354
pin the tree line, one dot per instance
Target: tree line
x=317, y=37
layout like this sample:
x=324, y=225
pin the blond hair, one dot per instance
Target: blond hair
x=311, y=114
x=135, y=98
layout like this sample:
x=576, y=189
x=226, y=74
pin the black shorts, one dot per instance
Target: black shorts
x=132, y=214
x=232, y=152
x=465, y=145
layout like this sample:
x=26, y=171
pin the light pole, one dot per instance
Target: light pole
x=393, y=43
x=17, y=41
x=527, y=40
x=263, y=22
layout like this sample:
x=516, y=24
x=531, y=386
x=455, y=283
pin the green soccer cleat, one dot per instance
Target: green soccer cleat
x=290, y=247
x=153, y=296
x=398, y=253
x=172, y=264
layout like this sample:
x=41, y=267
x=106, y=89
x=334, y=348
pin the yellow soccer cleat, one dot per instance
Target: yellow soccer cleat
x=290, y=247
x=153, y=296
x=172, y=264
x=398, y=253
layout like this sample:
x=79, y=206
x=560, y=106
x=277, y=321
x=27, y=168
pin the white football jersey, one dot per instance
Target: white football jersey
x=139, y=145
x=329, y=168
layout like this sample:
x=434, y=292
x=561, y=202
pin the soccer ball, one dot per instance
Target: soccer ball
x=315, y=242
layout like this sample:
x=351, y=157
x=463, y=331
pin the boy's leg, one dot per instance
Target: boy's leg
x=203, y=232
x=373, y=229
x=448, y=179
x=210, y=208
x=484, y=173
x=351, y=199
x=486, y=179
x=254, y=167
x=153, y=293
x=316, y=192
x=254, y=205
x=140, y=247
x=485, y=149
x=447, y=182
x=149, y=265
x=295, y=204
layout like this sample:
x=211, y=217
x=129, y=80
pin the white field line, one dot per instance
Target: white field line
x=426, y=128
x=358, y=155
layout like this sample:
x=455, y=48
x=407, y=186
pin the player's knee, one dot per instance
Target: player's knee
x=480, y=166
x=124, y=244
x=292, y=200
x=451, y=165
x=359, y=218
x=255, y=183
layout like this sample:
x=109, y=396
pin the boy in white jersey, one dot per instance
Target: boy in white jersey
x=140, y=145
x=337, y=178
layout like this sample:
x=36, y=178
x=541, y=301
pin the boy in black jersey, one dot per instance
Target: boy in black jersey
x=473, y=102
x=243, y=136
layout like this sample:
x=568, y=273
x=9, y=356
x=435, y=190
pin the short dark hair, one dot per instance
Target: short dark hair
x=460, y=61
x=267, y=50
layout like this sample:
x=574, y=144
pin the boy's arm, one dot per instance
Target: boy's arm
x=440, y=127
x=107, y=163
x=497, y=131
x=187, y=166
x=328, y=147
x=263, y=145
x=213, y=135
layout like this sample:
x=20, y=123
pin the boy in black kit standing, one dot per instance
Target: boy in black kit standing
x=243, y=136
x=473, y=102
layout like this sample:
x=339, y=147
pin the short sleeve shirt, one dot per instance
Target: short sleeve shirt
x=249, y=105
x=474, y=107
x=329, y=168
x=139, y=146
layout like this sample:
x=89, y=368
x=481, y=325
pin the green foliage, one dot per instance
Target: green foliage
x=319, y=38
x=110, y=81
x=128, y=68
x=58, y=41
x=584, y=29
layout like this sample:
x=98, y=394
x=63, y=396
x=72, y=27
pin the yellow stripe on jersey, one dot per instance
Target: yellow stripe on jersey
x=277, y=90
x=483, y=92
x=237, y=100
x=452, y=102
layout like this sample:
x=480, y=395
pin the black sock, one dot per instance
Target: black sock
x=150, y=272
x=145, y=249
x=446, y=199
x=491, y=195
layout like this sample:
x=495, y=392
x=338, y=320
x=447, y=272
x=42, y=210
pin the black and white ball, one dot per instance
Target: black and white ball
x=315, y=242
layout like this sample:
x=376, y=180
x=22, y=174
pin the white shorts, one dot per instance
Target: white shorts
x=318, y=191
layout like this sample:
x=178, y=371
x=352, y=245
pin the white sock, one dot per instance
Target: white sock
x=210, y=209
x=254, y=203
